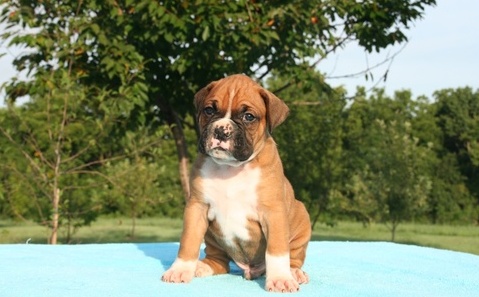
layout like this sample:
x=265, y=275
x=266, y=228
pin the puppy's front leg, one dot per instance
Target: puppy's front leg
x=278, y=272
x=195, y=224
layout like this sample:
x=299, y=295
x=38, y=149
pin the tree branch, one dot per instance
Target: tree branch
x=25, y=154
x=369, y=68
x=314, y=64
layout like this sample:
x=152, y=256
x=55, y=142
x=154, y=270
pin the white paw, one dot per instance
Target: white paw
x=282, y=284
x=180, y=272
x=300, y=276
x=203, y=269
x=280, y=277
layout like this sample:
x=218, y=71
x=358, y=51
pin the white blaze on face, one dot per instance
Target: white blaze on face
x=231, y=194
x=230, y=104
x=220, y=148
x=225, y=125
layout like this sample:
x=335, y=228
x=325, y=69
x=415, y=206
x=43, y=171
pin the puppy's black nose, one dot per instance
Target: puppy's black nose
x=222, y=134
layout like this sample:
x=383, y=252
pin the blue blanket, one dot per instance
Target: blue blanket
x=335, y=268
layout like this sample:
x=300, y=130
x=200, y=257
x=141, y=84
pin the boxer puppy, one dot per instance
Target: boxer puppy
x=241, y=204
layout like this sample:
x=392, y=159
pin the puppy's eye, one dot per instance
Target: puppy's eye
x=248, y=117
x=209, y=111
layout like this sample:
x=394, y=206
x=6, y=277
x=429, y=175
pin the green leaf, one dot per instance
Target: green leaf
x=206, y=33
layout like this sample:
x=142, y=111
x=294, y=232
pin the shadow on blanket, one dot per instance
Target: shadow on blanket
x=167, y=254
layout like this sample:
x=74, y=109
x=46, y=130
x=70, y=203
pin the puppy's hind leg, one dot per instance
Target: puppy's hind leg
x=216, y=260
x=298, y=245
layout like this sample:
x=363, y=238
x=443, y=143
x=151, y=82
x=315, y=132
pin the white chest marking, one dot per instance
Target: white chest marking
x=231, y=195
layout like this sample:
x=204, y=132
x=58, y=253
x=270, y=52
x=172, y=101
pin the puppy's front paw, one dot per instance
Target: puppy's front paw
x=300, y=276
x=203, y=269
x=282, y=284
x=180, y=272
x=177, y=276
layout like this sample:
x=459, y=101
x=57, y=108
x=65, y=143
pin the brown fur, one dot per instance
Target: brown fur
x=280, y=225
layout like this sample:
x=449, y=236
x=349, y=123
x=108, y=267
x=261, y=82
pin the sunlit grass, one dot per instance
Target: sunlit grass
x=103, y=230
x=458, y=238
x=113, y=230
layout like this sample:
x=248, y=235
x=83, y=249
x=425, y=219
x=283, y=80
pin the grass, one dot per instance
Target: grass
x=456, y=238
x=103, y=230
x=114, y=230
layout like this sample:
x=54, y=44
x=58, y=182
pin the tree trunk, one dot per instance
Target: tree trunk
x=133, y=226
x=181, y=147
x=315, y=218
x=393, y=231
x=69, y=228
x=56, y=216
x=57, y=174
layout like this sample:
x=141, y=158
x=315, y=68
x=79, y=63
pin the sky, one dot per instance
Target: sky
x=442, y=52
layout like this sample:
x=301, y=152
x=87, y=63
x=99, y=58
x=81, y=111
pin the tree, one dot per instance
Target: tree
x=450, y=200
x=396, y=175
x=170, y=49
x=310, y=143
x=389, y=168
x=137, y=185
x=134, y=187
x=60, y=134
x=457, y=112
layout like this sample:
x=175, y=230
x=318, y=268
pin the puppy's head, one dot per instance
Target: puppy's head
x=235, y=115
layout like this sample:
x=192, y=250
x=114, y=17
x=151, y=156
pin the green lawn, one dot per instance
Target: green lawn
x=458, y=238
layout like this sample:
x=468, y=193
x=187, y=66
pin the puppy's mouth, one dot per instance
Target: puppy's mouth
x=225, y=142
x=220, y=152
x=222, y=156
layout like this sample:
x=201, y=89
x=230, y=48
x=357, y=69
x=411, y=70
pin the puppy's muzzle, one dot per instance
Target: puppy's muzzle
x=218, y=138
x=221, y=133
x=226, y=142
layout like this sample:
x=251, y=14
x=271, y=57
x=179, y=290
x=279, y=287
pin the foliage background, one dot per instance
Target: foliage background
x=108, y=125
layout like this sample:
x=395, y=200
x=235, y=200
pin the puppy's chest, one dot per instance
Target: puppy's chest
x=232, y=197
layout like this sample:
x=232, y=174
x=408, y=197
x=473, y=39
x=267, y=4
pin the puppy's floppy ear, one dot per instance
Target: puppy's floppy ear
x=200, y=96
x=276, y=110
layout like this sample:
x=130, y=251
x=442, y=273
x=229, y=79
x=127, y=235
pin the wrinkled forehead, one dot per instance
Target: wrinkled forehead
x=236, y=93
